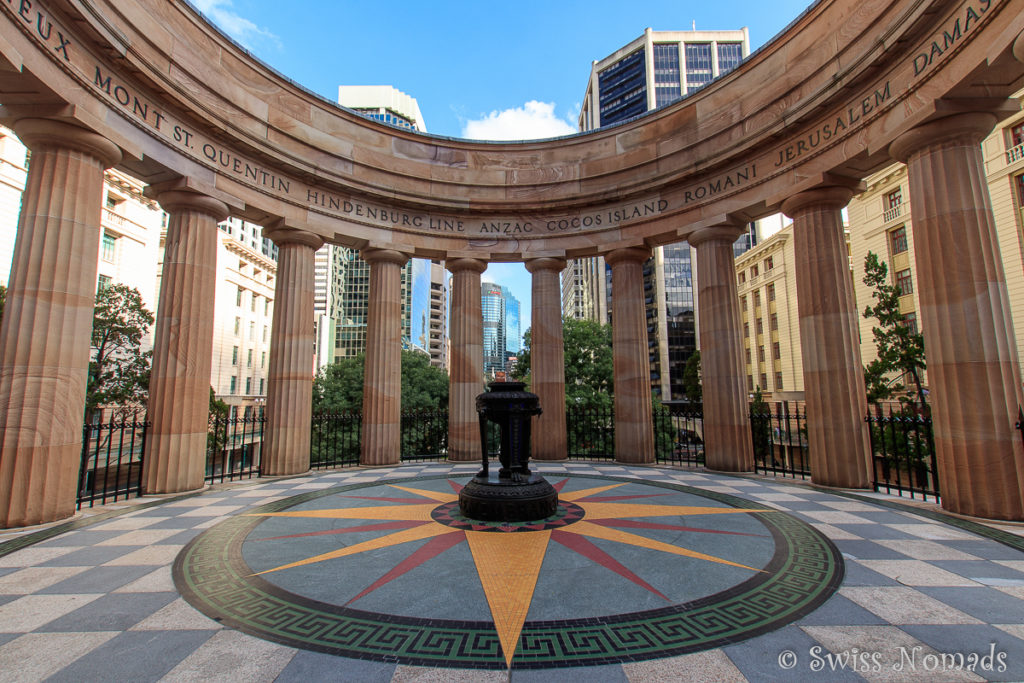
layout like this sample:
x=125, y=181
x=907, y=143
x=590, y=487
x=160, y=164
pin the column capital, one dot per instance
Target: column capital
x=828, y=197
x=724, y=232
x=183, y=199
x=456, y=265
x=384, y=256
x=627, y=255
x=971, y=127
x=36, y=133
x=545, y=263
x=280, y=233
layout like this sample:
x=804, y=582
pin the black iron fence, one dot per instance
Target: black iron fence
x=779, y=435
x=679, y=434
x=425, y=435
x=334, y=440
x=903, y=451
x=590, y=434
x=233, y=448
x=111, y=464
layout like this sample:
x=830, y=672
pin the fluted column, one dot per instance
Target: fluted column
x=634, y=425
x=547, y=358
x=290, y=373
x=382, y=382
x=47, y=323
x=833, y=377
x=467, y=358
x=727, y=441
x=179, y=383
x=973, y=368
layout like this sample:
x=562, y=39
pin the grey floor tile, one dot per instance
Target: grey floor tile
x=89, y=556
x=857, y=574
x=983, y=640
x=839, y=610
x=137, y=656
x=884, y=517
x=988, y=550
x=113, y=612
x=83, y=537
x=981, y=569
x=7, y=570
x=98, y=580
x=611, y=673
x=783, y=655
x=876, y=531
x=868, y=550
x=308, y=666
x=988, y=604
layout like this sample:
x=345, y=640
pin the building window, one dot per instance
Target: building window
x=266, y=307
x=252, y=330
x=778, y=381
x=1017, y=134
x=234, y=355
x=742, y=277
x=234, y=384
x=249, y=361
x=750, y=382
x=252, y=304
x=698, y=65
x=773, y=321
x=910, y=320
x=666, y=73
x=894, y=198
x=760, y=354
x=759, y=326
x=264, y=333
x=729, y=57
x=904, y=283
x=898, y=240
x=776, y=350
x=746, y=330
x=102, y=283
x=757, y=299
x=764, y=380
x=248, y=385
x=262, y=388
x=747, y=354
x=263, y=359
x=238, y=326
x=754, y=272
x=743, y=302
x=238, y=297
x=109, y=250
x=771, y=292
x=1020, y=189
x=769, y=263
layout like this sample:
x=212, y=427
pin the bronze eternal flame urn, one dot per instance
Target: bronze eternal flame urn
x=513, y=494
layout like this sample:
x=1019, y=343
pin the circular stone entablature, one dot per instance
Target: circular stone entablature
x=816, y=106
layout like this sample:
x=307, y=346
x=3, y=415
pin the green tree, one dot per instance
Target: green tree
x=119, y=369
x=761, y=427
x=338, y=388
x=217, y=434
x=3, y=299
x=587, y=347
x=900, y=349
x=692, y=379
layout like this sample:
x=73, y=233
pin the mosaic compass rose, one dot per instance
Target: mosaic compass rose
x=508, y=563
x=393, y=571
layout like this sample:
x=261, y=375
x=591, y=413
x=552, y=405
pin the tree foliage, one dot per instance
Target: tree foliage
x=588, y=363
x=3, y=299
x=692, y=379
x=217, y=433
x=900, y=349
x=761, y=425
x=119, y=368
x=338, y=388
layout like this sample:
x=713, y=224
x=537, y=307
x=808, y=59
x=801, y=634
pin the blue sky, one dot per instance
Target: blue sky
x=487, y=70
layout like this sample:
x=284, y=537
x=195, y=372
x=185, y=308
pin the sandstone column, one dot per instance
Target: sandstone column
x=382, y=383
x=634, y=422
x=290, y=373
x=47, y=324
x=727, y=441
x=547, y=358
x=179, y=384
x=833, y=377
x=973, y=369
x=467, y=358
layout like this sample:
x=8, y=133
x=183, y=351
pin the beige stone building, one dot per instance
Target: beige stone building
x=766, y=285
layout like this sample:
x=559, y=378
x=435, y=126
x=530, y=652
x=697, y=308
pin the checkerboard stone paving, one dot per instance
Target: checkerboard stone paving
x=93, y=599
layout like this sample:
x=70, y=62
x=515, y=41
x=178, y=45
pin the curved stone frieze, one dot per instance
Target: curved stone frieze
x=823, y=99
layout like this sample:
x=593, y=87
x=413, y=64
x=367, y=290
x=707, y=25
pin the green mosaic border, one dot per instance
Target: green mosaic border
x=805, y=570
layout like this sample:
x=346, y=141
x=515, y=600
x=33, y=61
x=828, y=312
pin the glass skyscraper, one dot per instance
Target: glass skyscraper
x=502, y=336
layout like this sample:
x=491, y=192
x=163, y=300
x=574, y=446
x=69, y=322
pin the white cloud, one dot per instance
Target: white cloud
x=532, y=121
x=221, y=13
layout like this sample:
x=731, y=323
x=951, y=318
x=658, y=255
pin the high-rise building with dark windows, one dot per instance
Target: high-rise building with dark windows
x=502, y=337
x=652, y=71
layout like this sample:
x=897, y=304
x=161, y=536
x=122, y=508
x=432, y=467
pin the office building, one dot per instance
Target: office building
x=501, y=326
x=652, y=71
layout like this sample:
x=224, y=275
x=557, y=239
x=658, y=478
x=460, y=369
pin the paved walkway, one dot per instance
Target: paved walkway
x=646, y=574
